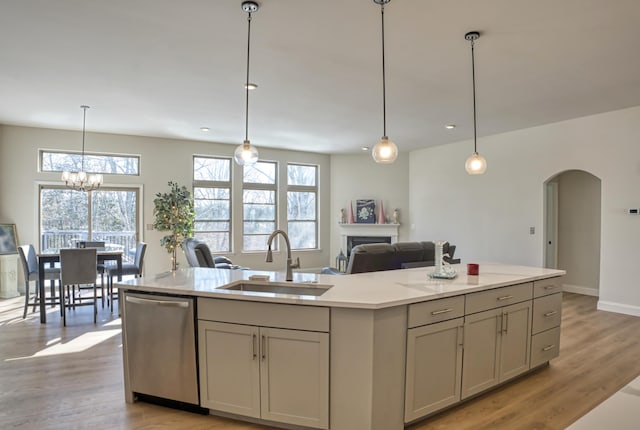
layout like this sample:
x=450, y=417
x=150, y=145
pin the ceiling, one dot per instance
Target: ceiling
x=165, y=68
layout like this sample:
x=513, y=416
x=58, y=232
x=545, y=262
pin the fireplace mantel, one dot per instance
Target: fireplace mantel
x=363, y=229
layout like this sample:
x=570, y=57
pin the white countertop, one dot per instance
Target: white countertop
x=373, y=290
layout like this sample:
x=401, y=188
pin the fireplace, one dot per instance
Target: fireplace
x=360, y=240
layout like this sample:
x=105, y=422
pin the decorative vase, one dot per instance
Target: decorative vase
x=381, y=219
x=351, y=220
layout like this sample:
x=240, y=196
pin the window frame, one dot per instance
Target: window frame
x=260, y=187
x=306, y=189
x=42, y=152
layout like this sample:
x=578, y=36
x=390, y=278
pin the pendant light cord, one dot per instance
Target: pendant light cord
x=473, y=79
x=246, y=112
x=84, y=121
x=384, y=87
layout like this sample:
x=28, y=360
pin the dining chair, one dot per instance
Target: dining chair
x=78, y=266
x=102, y=270
x=128, y=269
x=30, y=270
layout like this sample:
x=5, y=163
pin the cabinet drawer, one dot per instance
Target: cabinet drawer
x=497, y=297
x=435, y=311
x=547, y=286
x=545, y=346
x=311, y=318
x=547, y=312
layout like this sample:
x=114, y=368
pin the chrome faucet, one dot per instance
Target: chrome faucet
x=290, y=265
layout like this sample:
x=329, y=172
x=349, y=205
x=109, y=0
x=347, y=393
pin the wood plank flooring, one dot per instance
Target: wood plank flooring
x=71, y=378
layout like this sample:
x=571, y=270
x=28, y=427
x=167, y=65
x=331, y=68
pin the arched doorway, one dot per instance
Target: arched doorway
x=572, y=229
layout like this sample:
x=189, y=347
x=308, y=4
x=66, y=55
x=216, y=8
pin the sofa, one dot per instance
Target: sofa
x=375, y=257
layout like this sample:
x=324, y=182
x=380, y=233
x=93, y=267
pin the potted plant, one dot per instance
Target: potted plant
x=174, y=212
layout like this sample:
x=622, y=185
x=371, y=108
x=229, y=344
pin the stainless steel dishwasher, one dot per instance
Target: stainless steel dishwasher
x=160, y=346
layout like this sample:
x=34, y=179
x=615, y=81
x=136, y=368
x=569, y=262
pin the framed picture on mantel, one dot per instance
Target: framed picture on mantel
x=365, y=211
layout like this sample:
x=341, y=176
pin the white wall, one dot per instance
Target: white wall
x=162, y=160
x=359, y=177
x=489, y=216
x=579, y=230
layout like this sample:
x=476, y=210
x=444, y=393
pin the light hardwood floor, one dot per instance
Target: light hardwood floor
x=71, y=378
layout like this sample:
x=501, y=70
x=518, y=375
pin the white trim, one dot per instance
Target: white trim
x=579, y=289
x=619, y=308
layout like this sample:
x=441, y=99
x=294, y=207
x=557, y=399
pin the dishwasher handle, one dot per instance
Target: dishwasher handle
x=169, y=303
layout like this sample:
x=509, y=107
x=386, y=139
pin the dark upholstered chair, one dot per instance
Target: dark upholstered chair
x=128, y=269
x=78, y=266
x=199, y=255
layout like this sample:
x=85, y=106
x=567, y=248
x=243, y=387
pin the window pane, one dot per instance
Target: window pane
x=259, y=196
x=301, y=175
x=93, y=163
x=211, y=226
x=301, y=206
x=260, y=173
x=302, y=235
x=211, y=169
x=255, y=243
x=253, y=227
x=211, y=193
x=211, y=209
x=217, y=241
x=64, y=218
x=113, y=220
x=259, y=212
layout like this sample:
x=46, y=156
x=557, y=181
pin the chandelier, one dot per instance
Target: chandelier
x=82, y=181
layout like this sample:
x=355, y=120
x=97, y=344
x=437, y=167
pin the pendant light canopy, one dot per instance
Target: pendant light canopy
x=81, y=181
x=385, y=151
x=247, y=154
x=476, y=164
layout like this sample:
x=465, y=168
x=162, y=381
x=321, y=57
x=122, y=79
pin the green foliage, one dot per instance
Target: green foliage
x=174, y=212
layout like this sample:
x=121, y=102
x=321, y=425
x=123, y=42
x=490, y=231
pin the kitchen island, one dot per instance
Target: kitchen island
x=368, y=351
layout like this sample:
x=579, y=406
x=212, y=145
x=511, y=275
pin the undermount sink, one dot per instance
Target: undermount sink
x=295, y=289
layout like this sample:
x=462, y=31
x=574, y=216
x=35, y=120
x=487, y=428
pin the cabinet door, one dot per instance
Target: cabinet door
x=294, y=373
x=482, y=332
x=434, y=368
x=516, y=340
x=229, y=368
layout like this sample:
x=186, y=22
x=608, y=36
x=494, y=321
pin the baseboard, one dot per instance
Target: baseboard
x=619, y=308
x=578, y=289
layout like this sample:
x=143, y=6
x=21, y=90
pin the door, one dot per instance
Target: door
x=294, y=377
x=434, y=368
x=481, y=351
x=235, y=349
x=516, y=340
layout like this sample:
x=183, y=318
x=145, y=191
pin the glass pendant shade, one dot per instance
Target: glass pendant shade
x=476, y=164
x=385, y=151
x=246, y=154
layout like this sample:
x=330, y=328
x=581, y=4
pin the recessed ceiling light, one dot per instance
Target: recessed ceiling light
x=204, y=129
x=450, y=126
x=365, y=148
x=251, y=86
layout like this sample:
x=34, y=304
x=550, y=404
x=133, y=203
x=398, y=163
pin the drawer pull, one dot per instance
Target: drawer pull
x=548, y=348
x=505, y=298
x=442, y=311
x=550, y=314
x=550, y=287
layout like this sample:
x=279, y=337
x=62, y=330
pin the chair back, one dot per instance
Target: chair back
x=141, y=248
x=203, y=254
x=78, y=266
x=23, y=250
x=189, y=247
x=90, y=244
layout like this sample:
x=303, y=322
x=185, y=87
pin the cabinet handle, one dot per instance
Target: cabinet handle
x=255, y=353
x=500, y=329
x=506, y=322
x=264, y=348
x=505, y=298
x=550, y=314
x=441, y=311
x=549, y=287
x=549, y=347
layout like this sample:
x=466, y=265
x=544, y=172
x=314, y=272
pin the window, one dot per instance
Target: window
x=212, y=202
x=108, y=214
x=58, y=161
x=302, y=206
x=258, y=204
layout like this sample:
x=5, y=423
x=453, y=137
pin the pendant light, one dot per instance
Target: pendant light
x=385, y=151
x=476, y=164
x=247, y=154
x=81, y=181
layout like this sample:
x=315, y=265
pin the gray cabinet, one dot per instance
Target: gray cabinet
x=547, y=315
x=276, y=374
x=434, y=368
x=496, y=341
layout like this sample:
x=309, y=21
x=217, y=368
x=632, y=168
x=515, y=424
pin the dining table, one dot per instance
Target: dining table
x=52, y=257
